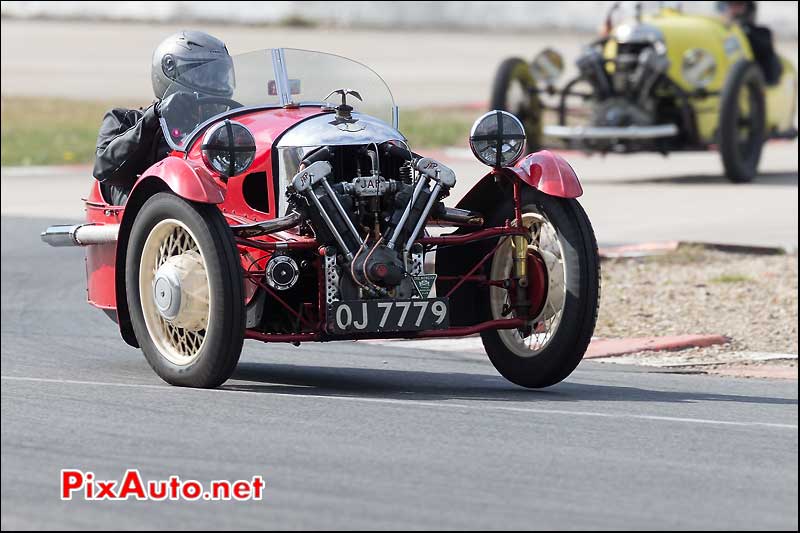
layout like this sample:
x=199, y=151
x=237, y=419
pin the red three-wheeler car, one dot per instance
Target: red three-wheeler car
x=294, y=210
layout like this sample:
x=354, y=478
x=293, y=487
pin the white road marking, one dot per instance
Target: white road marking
x=412, y=403
x=452, y=345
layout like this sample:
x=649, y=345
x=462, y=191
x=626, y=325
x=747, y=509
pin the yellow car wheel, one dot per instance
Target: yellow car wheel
x=514, y=90
x=742, y=124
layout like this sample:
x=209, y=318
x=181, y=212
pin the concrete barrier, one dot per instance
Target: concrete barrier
x=520, y=16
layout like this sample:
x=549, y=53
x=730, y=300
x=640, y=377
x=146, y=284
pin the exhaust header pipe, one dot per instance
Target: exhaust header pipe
x=461, y=217
x=80, y=234
x=269, y=226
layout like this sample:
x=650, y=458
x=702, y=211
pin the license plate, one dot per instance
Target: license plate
x=375, y=316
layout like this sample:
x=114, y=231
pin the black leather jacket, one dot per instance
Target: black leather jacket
x=129, y=141
x=760, y=39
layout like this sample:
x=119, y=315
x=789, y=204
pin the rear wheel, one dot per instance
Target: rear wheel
x=742, y=123
x=184, y=286
x=575, y=103
x=551, y=346
x=514, y=90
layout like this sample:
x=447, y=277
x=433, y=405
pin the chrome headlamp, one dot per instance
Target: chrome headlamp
x=698, y=67
x=228, y=148
x=547, y=66
x=497, y=139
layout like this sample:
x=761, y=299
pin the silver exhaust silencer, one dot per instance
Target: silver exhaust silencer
x=80, y=234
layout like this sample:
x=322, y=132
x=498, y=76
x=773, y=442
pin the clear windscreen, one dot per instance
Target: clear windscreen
x=314, y=75
x=269, y=78
x=629, y=9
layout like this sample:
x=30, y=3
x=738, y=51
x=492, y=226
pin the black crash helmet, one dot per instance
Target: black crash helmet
x=195, y=61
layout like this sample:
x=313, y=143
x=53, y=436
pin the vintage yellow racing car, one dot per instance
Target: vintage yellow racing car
x=665, y=81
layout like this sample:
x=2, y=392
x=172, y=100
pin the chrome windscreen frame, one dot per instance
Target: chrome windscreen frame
x=281, y=76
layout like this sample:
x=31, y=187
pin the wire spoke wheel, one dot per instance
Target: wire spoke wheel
x=564, y=291
x=543, y=241
x=183, y=277
x=181, y=338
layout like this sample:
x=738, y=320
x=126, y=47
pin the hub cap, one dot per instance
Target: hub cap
x=167, y=291
x=174, y=291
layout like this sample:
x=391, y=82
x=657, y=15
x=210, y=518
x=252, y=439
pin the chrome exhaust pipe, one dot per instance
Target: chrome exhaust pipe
x=421, y=182
x=80, y=234
x=257, y=229
x=577, y=133
x=443, y=177
x=423, y=219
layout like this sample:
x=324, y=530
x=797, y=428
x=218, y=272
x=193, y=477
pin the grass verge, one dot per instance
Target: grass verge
x=435, y=128
x=49, y=131
x=53, y=131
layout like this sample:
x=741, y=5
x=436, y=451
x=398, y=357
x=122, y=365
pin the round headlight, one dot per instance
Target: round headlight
x=497, y=139
x=228, y=148
x=698, y=68
x=547, y=66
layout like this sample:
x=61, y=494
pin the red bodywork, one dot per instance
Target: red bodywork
x=187, y=179
x=187, y=176
x=549, y=173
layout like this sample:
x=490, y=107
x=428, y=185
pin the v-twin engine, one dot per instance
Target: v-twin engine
x=372, y=221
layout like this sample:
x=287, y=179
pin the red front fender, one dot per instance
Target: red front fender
x=194, y=183
x=549, y=173
x=544, y=171
x=188, y=181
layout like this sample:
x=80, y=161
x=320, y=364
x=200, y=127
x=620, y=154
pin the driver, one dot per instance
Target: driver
x=760, y=37
x=131, y=140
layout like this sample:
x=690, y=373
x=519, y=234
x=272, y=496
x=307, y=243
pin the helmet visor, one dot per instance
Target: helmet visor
x=207, y=77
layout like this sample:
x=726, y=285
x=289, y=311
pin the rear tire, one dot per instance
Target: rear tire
x=514, y=90
x=563, y=103
x=554, y=360
x=741, y=138
x=204, y=354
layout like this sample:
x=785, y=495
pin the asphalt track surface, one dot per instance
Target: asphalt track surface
x=356, y=435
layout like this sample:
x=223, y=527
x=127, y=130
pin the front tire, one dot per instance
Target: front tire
x=557, y=338
x=514, y=90
x=185, y=291
x=742, y=123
